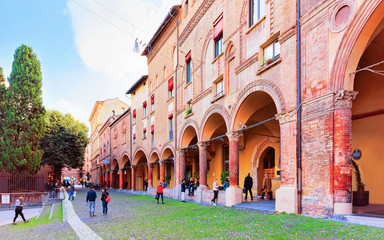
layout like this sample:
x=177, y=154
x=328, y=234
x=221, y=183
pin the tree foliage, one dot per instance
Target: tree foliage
x=64, y=142
x=2, y=100
x=23, y=115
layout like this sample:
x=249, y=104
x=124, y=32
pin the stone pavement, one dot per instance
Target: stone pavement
x=262, y=205
x=80, y=228
x=8, y=215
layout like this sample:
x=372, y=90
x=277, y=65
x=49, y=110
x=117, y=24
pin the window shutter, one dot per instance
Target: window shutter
x=170, y=116
x=170, y=84
x=218, y=27
x=145, y=104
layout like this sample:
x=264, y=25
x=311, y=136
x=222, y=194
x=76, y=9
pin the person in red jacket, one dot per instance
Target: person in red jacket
x=159, y=192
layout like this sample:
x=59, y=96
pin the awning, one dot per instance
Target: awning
x=170, y=84
x=218, y=27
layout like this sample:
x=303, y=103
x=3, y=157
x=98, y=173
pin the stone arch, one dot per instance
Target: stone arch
x=263, y=85
x=229, y=50
x=114, y=162
x=137, y=150
x=165, y=147
x=189, y=123
x=122, y=157
x=353, y=43
x=216, y=108
x=152, y=156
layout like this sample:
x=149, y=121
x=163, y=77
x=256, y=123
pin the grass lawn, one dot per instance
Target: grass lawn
x=144, y=219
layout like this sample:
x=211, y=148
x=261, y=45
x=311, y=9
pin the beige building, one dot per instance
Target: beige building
x=99, y=115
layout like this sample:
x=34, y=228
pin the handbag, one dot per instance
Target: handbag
x=157, y=196
x=108, y=199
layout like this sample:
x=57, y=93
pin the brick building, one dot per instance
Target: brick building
x=240, y=107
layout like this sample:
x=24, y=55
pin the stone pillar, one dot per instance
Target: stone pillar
x=233, y=194
x=203, y=163
x=162, y=171
x=107, y=173
x=133, y=175
x=121, y=177
x=111, y=180
x=180, y=165
x=150, y=175
x=342, y=169
x=287, y=194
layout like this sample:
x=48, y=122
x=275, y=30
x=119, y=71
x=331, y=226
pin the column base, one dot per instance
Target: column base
x=233, y=195
x=286, y=199
x=342, y=208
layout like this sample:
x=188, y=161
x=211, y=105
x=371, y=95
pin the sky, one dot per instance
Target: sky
x=85, y=46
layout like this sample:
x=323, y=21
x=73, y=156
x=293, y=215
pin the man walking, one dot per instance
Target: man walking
x=72, y=192
x=248, y=184
x=267, y=187
x=91, y=198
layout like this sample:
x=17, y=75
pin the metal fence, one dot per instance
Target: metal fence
x=11, y=183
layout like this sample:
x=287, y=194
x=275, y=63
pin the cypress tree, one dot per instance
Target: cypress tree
x=24, y=112
x=2, y=100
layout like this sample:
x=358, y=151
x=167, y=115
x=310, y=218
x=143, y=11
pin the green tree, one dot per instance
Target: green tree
x=2, y=100
x=23, y=125
x=64, y=142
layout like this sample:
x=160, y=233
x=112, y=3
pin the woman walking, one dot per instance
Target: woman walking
x=159, y=192
x=19, y=210
x=215, y=192
x=104, y=196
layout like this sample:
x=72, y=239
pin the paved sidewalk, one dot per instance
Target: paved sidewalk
x=81, y=229
x=8, y=215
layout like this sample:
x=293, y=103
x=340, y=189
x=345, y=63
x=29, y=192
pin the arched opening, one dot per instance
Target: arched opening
x=367, y=130
x=259, y=146
x=169, y=168
x=126, y=172
x=155, y=161
x=114, y=181
x=215, y=128
x=141, y=170
x=189, y=141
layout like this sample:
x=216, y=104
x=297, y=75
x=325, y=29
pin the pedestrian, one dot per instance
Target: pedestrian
x=82, y=183
x=105, y=200
x=85, y=183
x=19, y=210
x=91, y=198
x=215, y=192
x=248, y=184
x=183, y=191
x=267, y=187
x=146, y=184
x=159, y=192
x=226, y=184
x=72, y=192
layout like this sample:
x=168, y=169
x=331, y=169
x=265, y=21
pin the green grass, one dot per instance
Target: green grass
x=176, y=220
x=57, y=216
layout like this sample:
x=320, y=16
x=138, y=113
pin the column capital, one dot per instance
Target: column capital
x=286, y=117
x=133, y=167
x=180, y=151
x=161, y=163
x=234, y=135
x=150, y=165
x=344, y=98
x=202, y=145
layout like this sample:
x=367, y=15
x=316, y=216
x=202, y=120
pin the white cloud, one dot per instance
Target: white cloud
x=107, y=49
x=75, y=110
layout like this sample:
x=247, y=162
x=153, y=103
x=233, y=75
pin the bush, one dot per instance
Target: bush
x=223, y=176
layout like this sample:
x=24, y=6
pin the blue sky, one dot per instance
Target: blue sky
x=83, y=58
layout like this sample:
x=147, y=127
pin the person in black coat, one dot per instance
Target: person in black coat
x=90, y=200
x=183, y=191
x=104, y=196
x=248, y=184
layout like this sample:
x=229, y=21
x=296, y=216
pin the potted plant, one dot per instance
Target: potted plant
x=189, y=111
x=360, y=197
x=223, y=176
x=167, y=179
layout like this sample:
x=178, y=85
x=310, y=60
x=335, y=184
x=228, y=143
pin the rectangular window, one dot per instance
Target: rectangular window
x=144, y=135
x=271, y=52
x=153, y=140
x=145, y=112
x=218, y=45
x=170, y=126
x=170, y=88
x=152, y=103
x=219, y=88
x=189, y=74
x=256, y=11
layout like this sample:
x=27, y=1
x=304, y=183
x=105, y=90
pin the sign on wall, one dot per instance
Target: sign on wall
x=5, y=199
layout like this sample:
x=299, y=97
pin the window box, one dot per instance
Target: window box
x=189, y=111
x=266, y=66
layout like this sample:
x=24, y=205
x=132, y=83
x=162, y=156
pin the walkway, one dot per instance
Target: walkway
x=81, y=229
x=262, y=205
x=8, y=215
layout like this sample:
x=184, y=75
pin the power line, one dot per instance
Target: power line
x=368, y=68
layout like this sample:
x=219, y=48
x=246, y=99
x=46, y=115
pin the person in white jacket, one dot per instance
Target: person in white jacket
x=215, y=192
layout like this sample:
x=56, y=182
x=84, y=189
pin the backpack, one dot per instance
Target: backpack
x=108, y=199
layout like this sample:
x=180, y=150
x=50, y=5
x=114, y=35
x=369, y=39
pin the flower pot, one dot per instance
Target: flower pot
x=360, y=198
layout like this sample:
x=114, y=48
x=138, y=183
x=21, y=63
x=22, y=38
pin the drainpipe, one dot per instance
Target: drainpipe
x=175, y=86
x=299, y=184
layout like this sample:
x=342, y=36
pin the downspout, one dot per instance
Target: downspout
x=175, y=117
x=299, y=184
x=110, y=159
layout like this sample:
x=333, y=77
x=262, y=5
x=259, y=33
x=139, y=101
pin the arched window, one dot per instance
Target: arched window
x=165, y=72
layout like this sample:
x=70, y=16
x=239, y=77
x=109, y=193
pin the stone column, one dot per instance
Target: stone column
x=150, y=175
x=107, y=173
x=234, y=193
x=112, y=179
x=133, y=175
x=342, y=168
x=121, y=177
x=180, y=164
x=100, y=178
x=287, y=194
x=162, y=171
x=203, y=163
